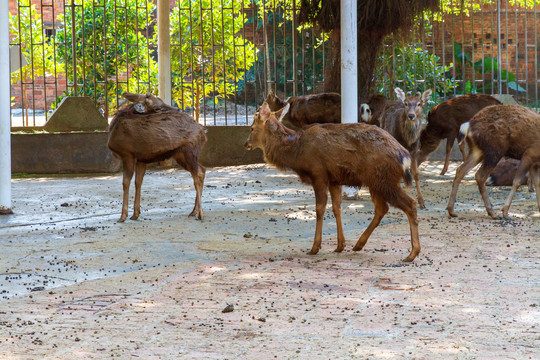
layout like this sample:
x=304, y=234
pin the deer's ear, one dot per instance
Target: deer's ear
x=133, y=97
x=280, y=114
x=426, y=95
x=265, y=111
x=271, y=125
x=400, y=94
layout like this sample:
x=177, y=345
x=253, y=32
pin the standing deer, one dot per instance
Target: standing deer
x=328, y=156
x=403, y=119
x=444, y=121
x=146, y=131
x=494, y=132
x=373, y=109
x=308, y=109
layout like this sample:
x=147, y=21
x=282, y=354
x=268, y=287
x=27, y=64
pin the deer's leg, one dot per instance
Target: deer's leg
x=414, y=170
x=449, y=145
x=128, y=166
x=381, y=208
x=140, y=169
x=527, y=160
x=462, y=150
x=190, y=162
x=481, y=176
x=321, y=198
x=335, y=194
x=534, y=178
x=473, y=159
x=405, y=203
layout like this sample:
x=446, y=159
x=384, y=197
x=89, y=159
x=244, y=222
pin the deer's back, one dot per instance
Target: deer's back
x=350, y=154
x=154, y=136
x=509, y=129
x=314, y=109
x=448, y=116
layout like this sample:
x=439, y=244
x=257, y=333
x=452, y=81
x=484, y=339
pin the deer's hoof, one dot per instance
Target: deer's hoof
x=339, y=249
x=121, y=220
x=313, y=252
x=408, y=259
x=451, y=212
x=134, y=217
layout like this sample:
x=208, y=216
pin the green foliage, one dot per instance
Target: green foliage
x=412, y=68
x=108, y=44
x=27, y=29
x=210, y=56
x=488, y=66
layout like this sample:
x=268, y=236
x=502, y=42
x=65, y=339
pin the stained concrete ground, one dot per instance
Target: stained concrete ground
x=75, y=284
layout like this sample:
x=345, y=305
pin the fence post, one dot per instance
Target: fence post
x=349, y=62
x=5, y=125
x=164, y=51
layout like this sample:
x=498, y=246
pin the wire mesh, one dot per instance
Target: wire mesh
x=227, y=54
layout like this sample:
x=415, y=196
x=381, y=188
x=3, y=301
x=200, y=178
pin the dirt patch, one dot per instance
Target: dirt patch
x=74, y=283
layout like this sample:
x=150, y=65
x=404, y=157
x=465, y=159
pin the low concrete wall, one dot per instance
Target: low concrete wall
x=62, y=153
x=87, y=152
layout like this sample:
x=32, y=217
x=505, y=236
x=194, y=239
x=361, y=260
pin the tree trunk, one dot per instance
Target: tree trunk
x=369, y=44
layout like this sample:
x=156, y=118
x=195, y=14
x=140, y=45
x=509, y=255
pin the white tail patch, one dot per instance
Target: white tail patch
x=463, y=131
x=406, y=163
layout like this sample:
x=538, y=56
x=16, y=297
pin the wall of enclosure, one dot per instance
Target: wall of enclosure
x=227, y=54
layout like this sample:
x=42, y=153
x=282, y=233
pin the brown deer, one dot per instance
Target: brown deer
x=403, y=119
x=372, y=110
x=147, y=130
x=328, y=156
x=308, y=109
x=504, y=173
x=444, y=121
x=494, y=132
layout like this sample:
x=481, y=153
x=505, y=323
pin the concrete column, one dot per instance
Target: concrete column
x=5, y=125
x=349, y=62
x=349, y=73
x=164, y=51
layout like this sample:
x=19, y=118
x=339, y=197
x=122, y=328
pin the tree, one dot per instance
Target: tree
x=210, y=57
x=376, y=20
x=112, y=49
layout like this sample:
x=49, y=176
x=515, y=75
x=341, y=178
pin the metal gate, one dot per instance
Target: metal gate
x=227, y=54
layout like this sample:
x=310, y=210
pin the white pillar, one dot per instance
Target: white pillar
x=5, y=125
x=349, y=62
x=164, y=51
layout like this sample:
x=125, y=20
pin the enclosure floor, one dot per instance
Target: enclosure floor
x=75, y=284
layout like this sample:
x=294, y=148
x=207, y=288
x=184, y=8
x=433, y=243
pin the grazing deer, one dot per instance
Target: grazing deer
x=308, y=109
x=444, y=121
x=328, y=156
x=403, y=119
x=494, y=132
x=147, y=130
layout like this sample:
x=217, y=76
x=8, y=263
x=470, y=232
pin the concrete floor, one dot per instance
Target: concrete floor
x=75, y=284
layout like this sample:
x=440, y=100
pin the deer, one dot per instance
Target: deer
x=372, y=110
x=403, y=120
x=504, y=172
x=494, y=132
x=444, y=121
x=327, y=156
x=146, y=130
x=306, y=110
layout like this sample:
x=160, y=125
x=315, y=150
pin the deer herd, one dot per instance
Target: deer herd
x=305, y=134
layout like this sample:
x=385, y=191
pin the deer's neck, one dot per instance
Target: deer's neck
x=281, y=147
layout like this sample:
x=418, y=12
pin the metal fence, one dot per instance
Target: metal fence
x=227, y=54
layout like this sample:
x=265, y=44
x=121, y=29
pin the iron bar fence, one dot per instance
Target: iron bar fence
x=227, y=54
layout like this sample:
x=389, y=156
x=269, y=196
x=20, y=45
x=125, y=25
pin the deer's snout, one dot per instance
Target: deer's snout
x=248, y=145
x=412, y=116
